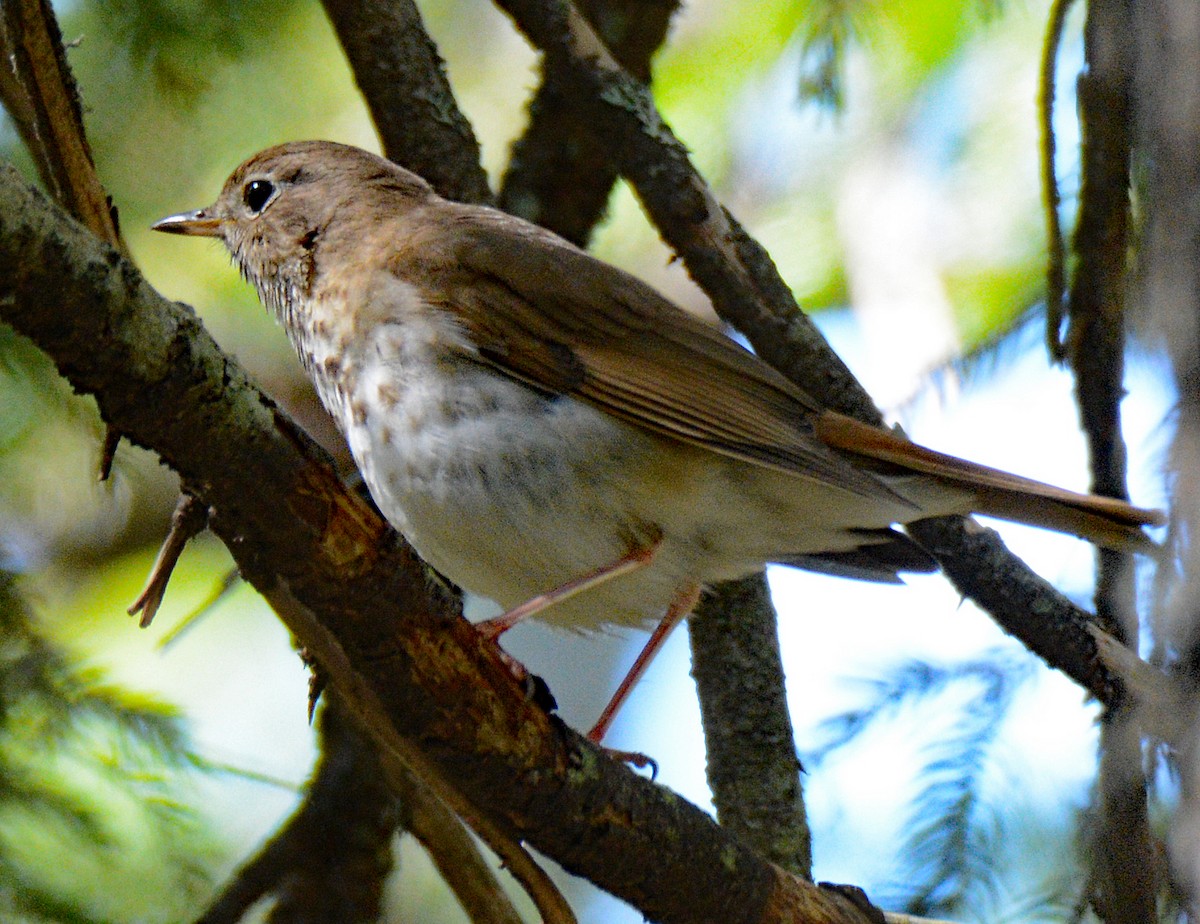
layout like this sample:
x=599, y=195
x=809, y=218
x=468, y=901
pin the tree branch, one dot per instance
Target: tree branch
x=1095, y=347
x=424, y=683
x=33, y=49
x=1056, y=259
x=561, y=170
x=330, y=860
x=404, y=84
x=1168, y=130
x=753, y=770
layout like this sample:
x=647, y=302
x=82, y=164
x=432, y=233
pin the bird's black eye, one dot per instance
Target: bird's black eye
x=256, y=195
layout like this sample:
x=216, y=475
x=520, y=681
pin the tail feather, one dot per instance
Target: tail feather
x=1106, y=521
x=882, y=557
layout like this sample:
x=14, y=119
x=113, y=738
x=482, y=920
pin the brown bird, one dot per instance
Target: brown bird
x=552, y=433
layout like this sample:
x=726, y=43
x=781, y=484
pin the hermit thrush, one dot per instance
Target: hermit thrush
x=550, y=432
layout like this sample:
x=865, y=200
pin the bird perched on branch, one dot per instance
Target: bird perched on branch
x=552, y=433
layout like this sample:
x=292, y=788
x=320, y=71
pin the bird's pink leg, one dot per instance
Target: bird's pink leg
x=685, y=601
x=631, y=561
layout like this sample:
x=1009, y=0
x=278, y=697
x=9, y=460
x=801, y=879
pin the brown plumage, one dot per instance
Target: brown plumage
x=551, y=432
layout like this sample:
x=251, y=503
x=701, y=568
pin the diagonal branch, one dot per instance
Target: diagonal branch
x=404, y=84
x=37, y=87
x=459, y=861
x=562, y=169
x=424, y=683
x=330, y=860
x=47, y=105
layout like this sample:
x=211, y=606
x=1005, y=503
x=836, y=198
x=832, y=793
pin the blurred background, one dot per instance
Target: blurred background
x=895, y=184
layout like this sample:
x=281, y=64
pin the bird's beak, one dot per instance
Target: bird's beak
x=200, y=223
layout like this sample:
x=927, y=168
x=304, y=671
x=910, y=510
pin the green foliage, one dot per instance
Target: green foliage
x=179, y=39
x=952, y=862
x=831, y=30
x=29, y=390
x=93, y=792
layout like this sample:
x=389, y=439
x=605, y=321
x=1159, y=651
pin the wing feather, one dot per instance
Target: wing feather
x=546, y=313
x=559, y=319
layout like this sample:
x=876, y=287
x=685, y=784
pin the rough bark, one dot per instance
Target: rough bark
x=753, y=770
x=403, y=82
x=1095, y=348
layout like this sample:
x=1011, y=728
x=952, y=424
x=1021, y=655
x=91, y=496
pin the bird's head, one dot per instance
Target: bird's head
x=280, y=208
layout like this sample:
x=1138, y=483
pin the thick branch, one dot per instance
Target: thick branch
x=421, y=679
x=746, y=290
x=562, y=169
x=330, y=860
x=404, y=84
x=753, y=770
x=1095, y=347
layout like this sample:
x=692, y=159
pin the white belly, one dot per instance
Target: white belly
x=511, y=493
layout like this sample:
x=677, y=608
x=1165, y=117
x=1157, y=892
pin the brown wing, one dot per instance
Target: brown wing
x=553, y=316
x=548, y=314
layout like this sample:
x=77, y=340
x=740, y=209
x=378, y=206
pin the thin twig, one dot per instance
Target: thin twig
x=108, y=453
x=188, y=521
x=1056, y=254
x=229, y=580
